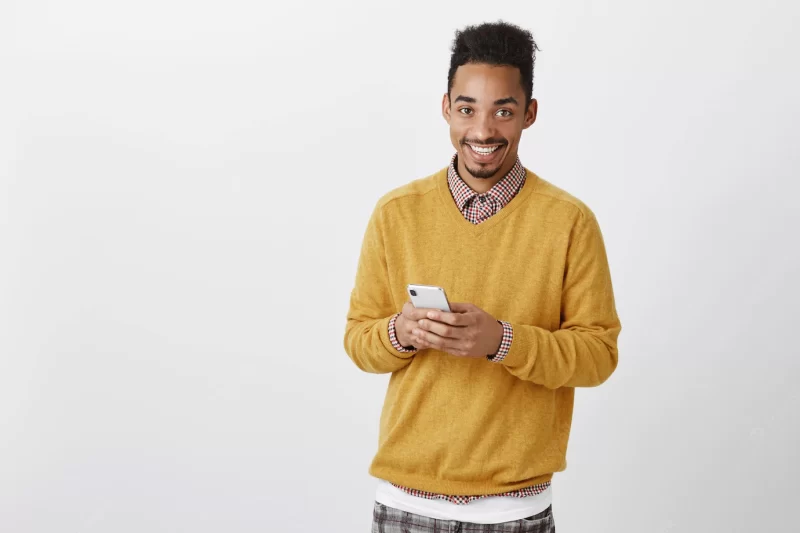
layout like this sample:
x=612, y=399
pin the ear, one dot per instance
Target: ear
x=530, y=114
x=446, y=107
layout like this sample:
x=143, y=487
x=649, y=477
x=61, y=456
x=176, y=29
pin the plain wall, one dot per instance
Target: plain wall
x=185, y=186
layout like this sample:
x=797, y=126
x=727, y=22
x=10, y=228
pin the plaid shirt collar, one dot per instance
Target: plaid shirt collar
x=502, y=192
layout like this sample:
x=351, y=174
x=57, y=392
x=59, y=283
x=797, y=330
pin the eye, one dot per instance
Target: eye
x=465, y=111
x=504, y=113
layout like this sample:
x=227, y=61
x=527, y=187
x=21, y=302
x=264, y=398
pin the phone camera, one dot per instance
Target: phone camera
x=413, y=292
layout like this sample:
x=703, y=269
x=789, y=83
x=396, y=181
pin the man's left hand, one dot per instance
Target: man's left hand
x=466, y=332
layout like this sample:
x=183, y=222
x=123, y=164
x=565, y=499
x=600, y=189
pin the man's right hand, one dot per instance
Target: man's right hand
x=407, y=321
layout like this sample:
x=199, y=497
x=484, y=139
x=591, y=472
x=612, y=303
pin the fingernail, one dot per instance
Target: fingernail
x=432, y=315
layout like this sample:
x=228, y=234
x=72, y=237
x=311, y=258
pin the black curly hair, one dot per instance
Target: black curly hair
x=495, y=43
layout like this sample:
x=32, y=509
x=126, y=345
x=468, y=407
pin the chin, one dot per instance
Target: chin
x=483, y=174
x=479, y=171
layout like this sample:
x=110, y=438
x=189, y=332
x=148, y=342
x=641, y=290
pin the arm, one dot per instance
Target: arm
x=583, y=352
x=367, y=333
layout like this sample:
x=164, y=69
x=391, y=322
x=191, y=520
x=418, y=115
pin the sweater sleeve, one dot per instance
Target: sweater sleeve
x=366, y=337
x=583, y=351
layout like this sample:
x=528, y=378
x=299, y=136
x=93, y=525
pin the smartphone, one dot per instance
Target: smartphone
x=428, y=297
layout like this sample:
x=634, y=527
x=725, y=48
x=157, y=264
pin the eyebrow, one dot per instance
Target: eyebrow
x=502, y=101
x=508, y=100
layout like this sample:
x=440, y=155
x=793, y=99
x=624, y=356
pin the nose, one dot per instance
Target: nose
x=483, y=127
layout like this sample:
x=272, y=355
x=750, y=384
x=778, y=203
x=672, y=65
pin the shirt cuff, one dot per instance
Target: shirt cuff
x=393, y=337
x=505, y=343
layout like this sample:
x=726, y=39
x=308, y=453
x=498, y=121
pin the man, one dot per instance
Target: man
x=477, y=414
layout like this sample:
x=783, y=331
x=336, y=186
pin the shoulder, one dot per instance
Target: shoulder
x=560, y=199
x=410, y=193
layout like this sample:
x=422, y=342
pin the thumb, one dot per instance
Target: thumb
x=461, y=307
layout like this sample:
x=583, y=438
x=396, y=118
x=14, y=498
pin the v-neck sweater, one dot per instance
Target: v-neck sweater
x=455, y=425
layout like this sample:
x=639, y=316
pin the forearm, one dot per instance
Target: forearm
x=575, y=357
x=583, y=351
x=366, y=337
x=368, y=344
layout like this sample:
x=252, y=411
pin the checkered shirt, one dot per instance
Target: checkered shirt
x=477, y=208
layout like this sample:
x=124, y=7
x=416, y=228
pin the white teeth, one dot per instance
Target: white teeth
x=484, y=150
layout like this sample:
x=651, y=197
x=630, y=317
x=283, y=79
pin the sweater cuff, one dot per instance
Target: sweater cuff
x=393, y=337
x=523, y=354
x=505, y=343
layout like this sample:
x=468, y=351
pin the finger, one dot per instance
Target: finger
x=418, y=340
x=432, y=340
x=410, y=312
x=461, y=307
x=443, y=330
x=454, y=319
x=414, y=313
x=420, y=344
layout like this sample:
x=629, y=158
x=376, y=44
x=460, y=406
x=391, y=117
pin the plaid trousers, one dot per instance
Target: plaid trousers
x=390, y=520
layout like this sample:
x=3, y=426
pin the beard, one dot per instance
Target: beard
x=482, y=173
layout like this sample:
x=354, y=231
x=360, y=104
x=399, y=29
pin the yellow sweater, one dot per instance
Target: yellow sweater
x=465, y=426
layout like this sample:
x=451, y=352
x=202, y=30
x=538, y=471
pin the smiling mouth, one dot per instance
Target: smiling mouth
x=484, y=150
x=485, y=154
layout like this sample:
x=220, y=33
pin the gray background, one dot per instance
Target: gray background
x=184, y=190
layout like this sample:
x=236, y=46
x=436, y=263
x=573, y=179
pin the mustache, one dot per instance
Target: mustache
x=485, y=142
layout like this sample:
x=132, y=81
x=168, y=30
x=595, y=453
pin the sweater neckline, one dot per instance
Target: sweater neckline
x=468, y=227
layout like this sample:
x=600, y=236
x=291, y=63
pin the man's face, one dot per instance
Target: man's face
x=486, y=113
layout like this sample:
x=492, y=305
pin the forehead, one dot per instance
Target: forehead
x=491, y=82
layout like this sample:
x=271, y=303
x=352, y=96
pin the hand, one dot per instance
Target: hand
x=407, y=321
x=466, y=332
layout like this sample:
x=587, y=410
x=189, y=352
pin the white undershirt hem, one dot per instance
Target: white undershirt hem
x=491, y=510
